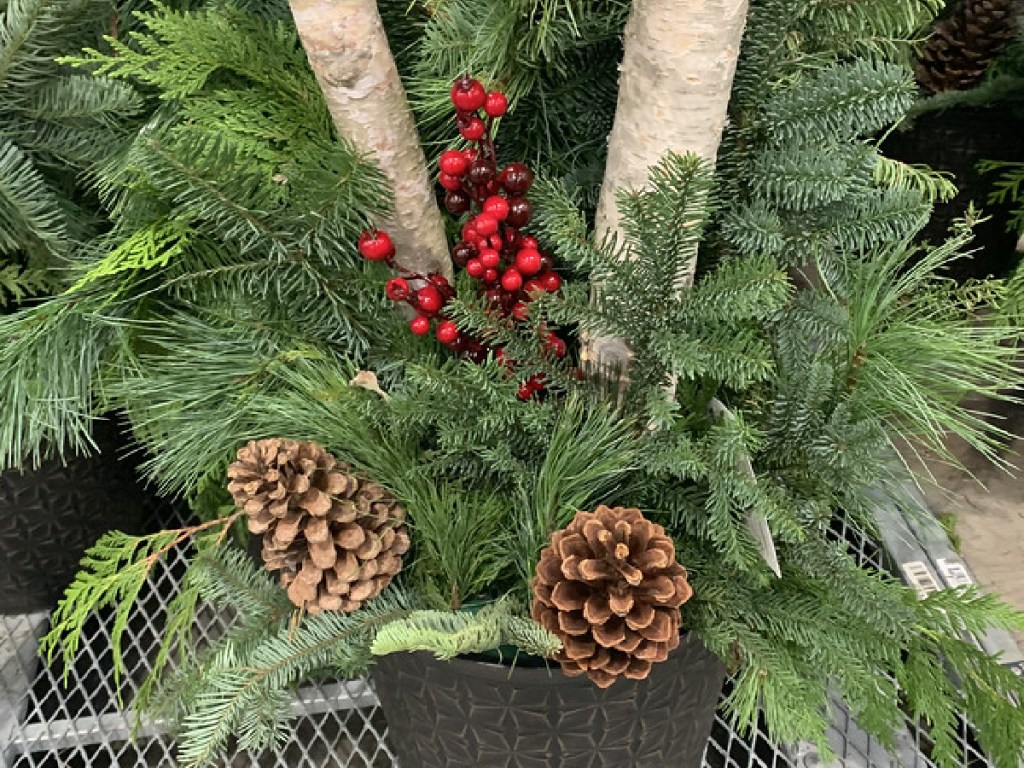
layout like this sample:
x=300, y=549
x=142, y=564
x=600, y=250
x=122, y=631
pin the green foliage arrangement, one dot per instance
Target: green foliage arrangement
x=54, y=126
x=227, y=303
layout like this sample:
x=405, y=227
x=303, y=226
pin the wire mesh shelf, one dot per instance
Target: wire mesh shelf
x=47, y=723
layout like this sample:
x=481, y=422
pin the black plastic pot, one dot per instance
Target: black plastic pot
x=51, y=514
x=471, y=714
x=955, y=141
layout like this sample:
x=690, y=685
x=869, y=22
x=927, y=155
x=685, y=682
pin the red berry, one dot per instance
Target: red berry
x=550, y=281
x=453, y=163
x=397, y=289
x=429, y=299
x=491, y=276
x=533, y=286
x=489, y=258
x=546, y=262
x=472, y=129
x=469, y=233
x=468, y=95
x=471, y=155
x=520, y=311
x=519, y=211
x=449, y=182
x=531, y=386
x=555, y=345
x=518, y=178
x=486, y=224
x=456, y=202
x=440, y=281
x=447, y=332
x=497, y=206
x=494, y=296
x=529, y=242
x=475, y=268
x=481, y=172
x=420, y=325
x=511, y=281
x=495, y=104
x=495, y=242
x=375, y=245
x=528, y=261
x=462, y=253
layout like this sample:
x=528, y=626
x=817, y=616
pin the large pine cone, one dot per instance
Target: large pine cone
x=610, y=588
x=336, y=537
x=963, y=45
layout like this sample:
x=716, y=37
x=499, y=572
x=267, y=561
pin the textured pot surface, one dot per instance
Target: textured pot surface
x=51, y=514
x=955, y=141
x=469, y=714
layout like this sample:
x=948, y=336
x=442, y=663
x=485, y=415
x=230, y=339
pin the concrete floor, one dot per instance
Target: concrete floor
x=986, y=512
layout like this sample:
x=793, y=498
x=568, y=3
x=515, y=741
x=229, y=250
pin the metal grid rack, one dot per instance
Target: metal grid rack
x=47, y=724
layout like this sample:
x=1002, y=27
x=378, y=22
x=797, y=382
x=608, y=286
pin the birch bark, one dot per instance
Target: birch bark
x=349, y=53
x=676, y=78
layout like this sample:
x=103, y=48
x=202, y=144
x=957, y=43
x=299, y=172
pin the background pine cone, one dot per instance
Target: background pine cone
x=336, y=537
x=964, y=44
x=610, y=588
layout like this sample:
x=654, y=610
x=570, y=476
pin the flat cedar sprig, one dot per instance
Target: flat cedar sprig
x=112, y=573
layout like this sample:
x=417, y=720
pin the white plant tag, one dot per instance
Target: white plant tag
x=757, y=523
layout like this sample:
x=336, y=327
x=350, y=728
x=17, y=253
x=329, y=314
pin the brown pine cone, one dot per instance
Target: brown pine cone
x=336, y=537
x=963, y=45
x=609, y=587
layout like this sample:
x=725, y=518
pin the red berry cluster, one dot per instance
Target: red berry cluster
x=428, y=300
x=509, y=265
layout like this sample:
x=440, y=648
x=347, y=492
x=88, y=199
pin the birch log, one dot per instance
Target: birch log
x=676, y=78
x=349, y=53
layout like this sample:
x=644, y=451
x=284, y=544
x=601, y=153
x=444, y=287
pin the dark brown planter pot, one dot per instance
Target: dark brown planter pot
x=49, y=516
x=471, y=714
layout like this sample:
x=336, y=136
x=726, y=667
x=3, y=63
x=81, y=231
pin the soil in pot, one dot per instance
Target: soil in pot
x=472, y=714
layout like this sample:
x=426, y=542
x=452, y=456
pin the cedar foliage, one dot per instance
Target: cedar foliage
x=227, y=304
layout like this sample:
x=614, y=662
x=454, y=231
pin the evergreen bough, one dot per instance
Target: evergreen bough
x=55, y=125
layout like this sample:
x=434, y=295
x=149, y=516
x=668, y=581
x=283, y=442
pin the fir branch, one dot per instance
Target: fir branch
x=245, y=689
x=935, y=186
x=801, y=179
x=839, y=103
